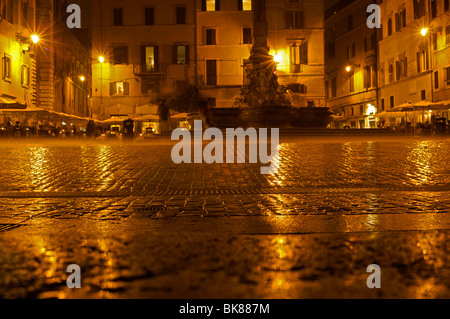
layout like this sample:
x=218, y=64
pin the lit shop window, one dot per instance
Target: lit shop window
x=119, y=88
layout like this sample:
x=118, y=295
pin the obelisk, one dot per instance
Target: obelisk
x=260, y=49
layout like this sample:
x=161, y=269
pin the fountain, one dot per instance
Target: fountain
x=262, y=100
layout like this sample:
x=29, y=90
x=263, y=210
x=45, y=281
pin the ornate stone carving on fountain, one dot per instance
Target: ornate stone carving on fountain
x=262, y=101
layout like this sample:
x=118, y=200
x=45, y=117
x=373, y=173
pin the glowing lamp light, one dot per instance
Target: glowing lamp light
x=278, y=57
x=35, y=38
x=370, y=109
x=348, y=68
x=101, y=59
x=82, y=78
x=424, y=31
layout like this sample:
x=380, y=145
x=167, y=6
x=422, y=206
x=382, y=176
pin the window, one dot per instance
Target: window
x=419, y=9
x=351, y=80
x=369, y=76
x=397, y=22
x=423, y=95
x=7, y=10
x=351, y=52
x=403, y=18
x=326, y=90
x=244, y=5
x=149, y=58
x=397, y=70
x=381, y=73
x=446, y=5
x=247, y=35
x=382, y=104
x=403, y=67
x=400, y=20
x=120, y=54
x=211, y=72
x=361, y=109
x=180, y=54
x=391, y=101
x=433, y=9
x=181, y=15
x=434, y=39
x=423, y=62
x=25, y=76
x=447, y=76
x=350, y=23
x=369, y=43
x=436, y=80
x=149, y=86
x=210, y=5
x=331, y=50
x=7, y=67
x=210, y=36
x=447, y=34
x=389, y=27
x=212, y=102
x=333, y=87
x=299, y=54
x=119, y=88
x=149, y=16
x=117, y=16
x=294, y=20
x=391, y=73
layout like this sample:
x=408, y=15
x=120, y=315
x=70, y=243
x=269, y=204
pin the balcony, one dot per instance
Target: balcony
x=142, y=70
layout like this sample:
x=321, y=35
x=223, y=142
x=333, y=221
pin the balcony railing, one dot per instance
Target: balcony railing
x=139, y=69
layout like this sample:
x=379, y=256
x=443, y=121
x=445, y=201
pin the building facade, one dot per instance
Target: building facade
x=141, y=50
x=405, y=66
x=17, y=51
x=63, y=62
x=375, y=76
x=439, y=31
x=351, y=65
x=152, y=48
x=224, y=41
x=296, y=39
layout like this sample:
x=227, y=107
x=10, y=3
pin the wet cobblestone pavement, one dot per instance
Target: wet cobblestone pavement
x=140, y=226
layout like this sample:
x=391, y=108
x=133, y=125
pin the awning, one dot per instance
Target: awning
x=7, y=104
x=147, y=117
x=180, y=116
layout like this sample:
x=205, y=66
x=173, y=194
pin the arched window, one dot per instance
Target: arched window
x=389, y=26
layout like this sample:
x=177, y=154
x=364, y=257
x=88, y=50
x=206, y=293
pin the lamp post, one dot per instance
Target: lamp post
x=424, y=32
x=101, y=59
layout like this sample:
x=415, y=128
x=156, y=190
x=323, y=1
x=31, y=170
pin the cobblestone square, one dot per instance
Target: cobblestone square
x=140, y=226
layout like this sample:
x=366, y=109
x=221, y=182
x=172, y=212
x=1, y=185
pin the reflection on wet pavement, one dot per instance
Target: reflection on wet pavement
x=138, y=224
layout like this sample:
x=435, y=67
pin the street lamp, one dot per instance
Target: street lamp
x=348, y=68
x=101, y=59
x=82, y=78
x=424, y=31
x=35, y=38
